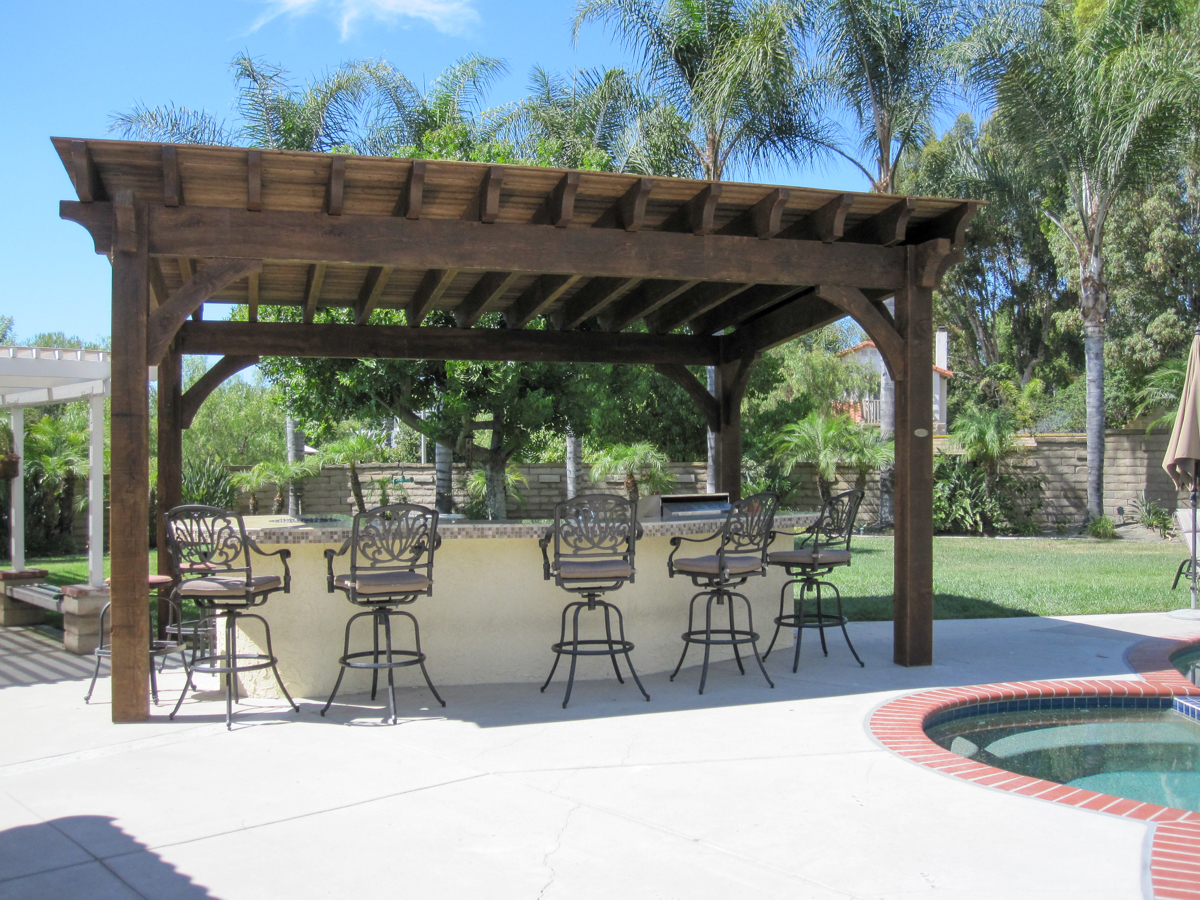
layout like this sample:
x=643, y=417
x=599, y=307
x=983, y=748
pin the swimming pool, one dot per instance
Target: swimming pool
x=1141, y=748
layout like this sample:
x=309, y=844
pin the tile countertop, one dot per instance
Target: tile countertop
x=334, y=530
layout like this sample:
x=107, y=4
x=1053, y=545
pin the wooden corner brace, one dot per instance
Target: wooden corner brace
x=166, y=320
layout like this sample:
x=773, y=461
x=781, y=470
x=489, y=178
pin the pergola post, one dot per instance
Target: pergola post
x=731, y=380
x=913, y=566
x=16, y=519
x=170, y=461
x=96, y=490
x=130, y=468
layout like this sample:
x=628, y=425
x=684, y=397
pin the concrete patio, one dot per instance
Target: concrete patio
x=743, y=792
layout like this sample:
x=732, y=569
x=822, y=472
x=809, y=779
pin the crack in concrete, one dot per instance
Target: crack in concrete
x=555, y=849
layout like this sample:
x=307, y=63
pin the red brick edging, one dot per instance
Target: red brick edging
x=1175, y=852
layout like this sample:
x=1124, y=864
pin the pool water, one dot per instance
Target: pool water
x=1146, y=754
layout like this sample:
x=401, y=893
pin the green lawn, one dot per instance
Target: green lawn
x=975, y=578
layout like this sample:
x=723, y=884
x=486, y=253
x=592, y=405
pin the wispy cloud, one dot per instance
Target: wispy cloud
x=447, y=16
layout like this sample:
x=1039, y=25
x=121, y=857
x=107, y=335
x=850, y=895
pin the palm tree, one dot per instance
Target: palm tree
x=867, y=451
x=730, y=70
x=1161, y=391
x=323, y=115
x=887, y=63
x=281, y=474
x=641, y=462
x=1102, y=95
x=819, y=441
x=349, y=452
x=57, y=458
x=986, y=438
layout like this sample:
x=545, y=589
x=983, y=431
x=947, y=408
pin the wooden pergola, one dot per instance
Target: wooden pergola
x=716, y=272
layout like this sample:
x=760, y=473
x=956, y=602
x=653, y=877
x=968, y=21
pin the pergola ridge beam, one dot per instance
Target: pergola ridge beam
x=855, y=304
x=165, y=321
x=478, y=344
x=224, y=368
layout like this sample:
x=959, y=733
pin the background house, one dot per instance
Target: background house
x=866, y=409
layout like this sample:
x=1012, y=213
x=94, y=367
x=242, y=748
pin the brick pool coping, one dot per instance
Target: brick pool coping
x=1175, y=850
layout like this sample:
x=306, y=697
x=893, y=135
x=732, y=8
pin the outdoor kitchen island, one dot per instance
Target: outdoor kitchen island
x=492, y=617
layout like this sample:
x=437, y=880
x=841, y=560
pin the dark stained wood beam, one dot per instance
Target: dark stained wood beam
x=489, y=287
x=413, y=196
x=172, y=185
x=485, y=205
x=253, y=180
x=444, y=244
x=427, y=294
x=169, y=464
x=221, y=371
x=825, y=224
x=629, y=212
x=951, y=225
x=732, y=379
x=590, y=299
x=88, y=186
x=312, y=290
x=482, y=344
x=158, y=283
x=252, y=296
x=165, y=321
x=559, y=207
x=697, y=214
x=335, y=190
x=124, y=221
x=683, y=377
x=537, y=298
x=852, y=302
x=641, y=302
x=887, y=228
x=370, y=292
x=791, y=320
x=693, y=303
x=742, y=306
x=762, y=220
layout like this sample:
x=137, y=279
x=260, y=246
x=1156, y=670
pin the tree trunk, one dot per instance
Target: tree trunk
x=711, y=470
x=1093, y=302
x=631, y=487
x=442, y=462
x=356, y=489
x=253, y=503
x=574, y=452
x=66, y=505
x=280, y=492
x=495, y=494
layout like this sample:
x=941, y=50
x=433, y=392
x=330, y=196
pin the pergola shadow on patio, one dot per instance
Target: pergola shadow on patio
x=717, y=272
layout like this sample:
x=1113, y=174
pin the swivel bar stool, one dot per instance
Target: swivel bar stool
x=391, y=565
x=595, y=536
x=210, y=556
x=825, y=547
x=741, y=555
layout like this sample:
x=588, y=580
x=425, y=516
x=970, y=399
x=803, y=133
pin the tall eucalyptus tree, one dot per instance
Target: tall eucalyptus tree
x=1102, y=94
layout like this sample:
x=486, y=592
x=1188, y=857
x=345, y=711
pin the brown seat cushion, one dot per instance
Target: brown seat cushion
x=828, y=556
x=707, y=565
x=218, y=586
x=369, y=583
x=592, y=569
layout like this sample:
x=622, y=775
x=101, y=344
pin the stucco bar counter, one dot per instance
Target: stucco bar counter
x=492, y=617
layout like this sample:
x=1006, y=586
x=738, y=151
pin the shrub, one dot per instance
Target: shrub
x=1150, y=515
x=209, y=484
x=963, y=502
x=1102, y=528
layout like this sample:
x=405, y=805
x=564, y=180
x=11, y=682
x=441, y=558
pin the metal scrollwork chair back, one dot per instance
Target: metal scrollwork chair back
x=595, y=539
x=391, y=565
x=835, y=524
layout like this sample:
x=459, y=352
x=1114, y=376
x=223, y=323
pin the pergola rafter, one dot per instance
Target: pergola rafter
x=621, y=269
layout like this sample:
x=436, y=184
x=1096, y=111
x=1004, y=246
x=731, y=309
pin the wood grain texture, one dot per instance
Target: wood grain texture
x=642, y=301
x=489, y=287
x=697, y=214
x=84, y=174
x=763, y=219
x=590, y=300
x=128, y=481
x=191, y=401
x=165, y=321
x=172, y=186
x=254, y=180
x=372, y=289
x=433, y=285
x=252, y=296
x=335, y=191
x=740, y=307
x=170, y=463
x=887, y=228
x=826, y=224
x=855, y=304
x=313, y=284
x=537, y=298
x=692, y=303
x=413, y=196
x=483, y=344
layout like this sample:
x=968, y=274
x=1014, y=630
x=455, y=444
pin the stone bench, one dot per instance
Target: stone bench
x=24, y=599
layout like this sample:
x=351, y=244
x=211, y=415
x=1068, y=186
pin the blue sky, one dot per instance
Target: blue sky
x=68, y=65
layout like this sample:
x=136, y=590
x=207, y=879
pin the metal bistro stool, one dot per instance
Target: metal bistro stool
x=391, y=564
x=211, y=552
x=741, y=554
x=807, y=565
x=594, y=541
x=159, y=649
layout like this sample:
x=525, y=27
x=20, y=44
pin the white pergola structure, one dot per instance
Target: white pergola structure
x=40, y=376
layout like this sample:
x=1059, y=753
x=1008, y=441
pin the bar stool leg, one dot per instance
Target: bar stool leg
x=753, y=643
x=375, y=622
x=274, y=664
x=845, y=633
x=230, y=662
x=628, y=661
x=574, y=656
x=821, y=621
x=707, y=637
x=91, y=687
x=778, y=624
x=342, y=670
x=687, y=634
x=737, y=655
x=387, y=634
x=800, y=624
x=562, y=637
x=421, y=658
x=608, y=634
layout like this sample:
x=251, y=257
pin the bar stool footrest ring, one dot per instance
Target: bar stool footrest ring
x=408, y=658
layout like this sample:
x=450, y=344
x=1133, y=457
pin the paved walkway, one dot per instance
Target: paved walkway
x=744, y=792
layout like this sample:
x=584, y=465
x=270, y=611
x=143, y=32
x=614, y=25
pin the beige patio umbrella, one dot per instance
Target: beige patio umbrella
x=1182, y=460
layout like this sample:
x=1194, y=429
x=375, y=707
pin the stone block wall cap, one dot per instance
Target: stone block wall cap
x=85, y=590
x=23, y=574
